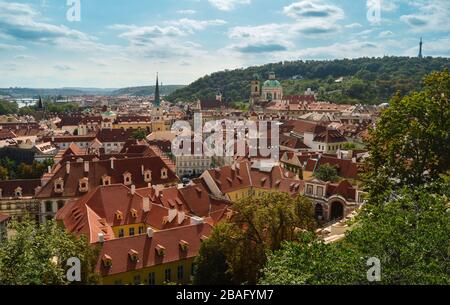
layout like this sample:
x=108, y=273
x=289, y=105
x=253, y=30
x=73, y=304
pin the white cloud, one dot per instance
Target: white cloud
x=19, y=21
x=353, y=25
x=432, y=16
x=385, y=34
x=186, y=12
x=63, y=67
x=10, y=47
x=192, y=25
x=313, y=9
x=350, y=49
x=228, y=5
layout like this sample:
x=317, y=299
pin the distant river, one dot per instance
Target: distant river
x=25, y=102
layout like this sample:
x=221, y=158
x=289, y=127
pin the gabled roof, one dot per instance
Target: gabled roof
x=96, y=212
x=330, y=136
x=28, y=187
x=145, y=247
x=114, y=135
x=345, y=167
x=97, y=169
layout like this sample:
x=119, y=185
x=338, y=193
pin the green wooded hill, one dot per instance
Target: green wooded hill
x=364, y=80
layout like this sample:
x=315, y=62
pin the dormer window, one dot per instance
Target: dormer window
x=106, y=180
x=133, y=255
x=83, y=184
x=134, y=213
x=59, y=186
x=160, y=250
x=184, y=245
x=18, y=192
x=127, y=178
x=119, y=215
x=106, y=260
x=164, y=173
x=148, y=176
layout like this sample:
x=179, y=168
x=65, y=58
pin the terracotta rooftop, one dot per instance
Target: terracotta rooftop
x=115, y=169
x=145, y=249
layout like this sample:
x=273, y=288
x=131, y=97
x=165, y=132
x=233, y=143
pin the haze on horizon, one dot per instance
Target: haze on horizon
x=123, y=44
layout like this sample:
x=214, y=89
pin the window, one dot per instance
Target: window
x=137, y=279
x=319, y=191
x=309, y=189
x=131, y=232
x=141, y=230
x=60, y=204
x=151, y=278
x=121, y=233
x=180, y=272
x=48, y=206
x=167, y=275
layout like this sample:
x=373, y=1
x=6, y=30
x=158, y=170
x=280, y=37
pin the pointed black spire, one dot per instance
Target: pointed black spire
x=157, y=101
x=420, y=49
x=39, y=105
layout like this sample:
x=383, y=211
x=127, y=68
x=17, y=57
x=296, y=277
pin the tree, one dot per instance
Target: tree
x=37, y=255
x=139, y=134
x=349, y=146
x=409, y=235
x=258, y=225
x=326, y=172
x=3, y=173
x=410, y=145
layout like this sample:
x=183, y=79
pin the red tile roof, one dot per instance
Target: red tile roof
x=345, y=167
x=117, y=250
x=330, y=136
x=4, y=217
x=96, y=212
x=98, y=169
x=28, y=186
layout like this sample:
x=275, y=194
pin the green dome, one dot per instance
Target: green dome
x=108, y=113
x=272, y=83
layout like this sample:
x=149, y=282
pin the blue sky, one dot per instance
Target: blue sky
x=119, y=43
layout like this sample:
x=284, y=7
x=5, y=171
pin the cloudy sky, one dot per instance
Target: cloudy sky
x=119, y=43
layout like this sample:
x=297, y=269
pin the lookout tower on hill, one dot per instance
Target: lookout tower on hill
x=420, y=48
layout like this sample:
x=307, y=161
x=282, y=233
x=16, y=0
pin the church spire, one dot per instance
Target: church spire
x=157, y=101
x=420, y=48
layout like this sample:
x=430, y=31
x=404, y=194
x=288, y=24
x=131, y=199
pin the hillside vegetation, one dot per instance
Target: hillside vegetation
x=364, y=80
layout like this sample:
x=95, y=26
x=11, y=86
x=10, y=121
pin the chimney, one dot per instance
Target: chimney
x=49, y=169
x=149, y=232
x=142, y=169
x=112, y=163
x=53, y=138
x=86, y=166
x=354, y=160
x=101, y=238
x=133, y=189
x=146, y=204
x=67, y=167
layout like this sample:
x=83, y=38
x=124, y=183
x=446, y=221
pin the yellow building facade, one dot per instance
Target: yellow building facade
x=179, y=272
